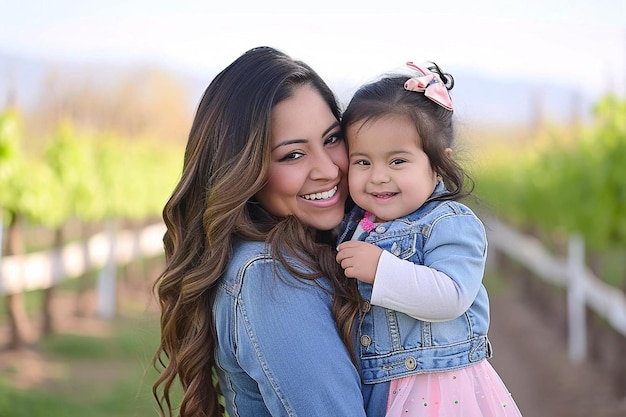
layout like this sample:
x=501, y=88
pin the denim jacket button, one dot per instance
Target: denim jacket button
x=380, y=229
x=410, y=363
x=365, y=306
x=365, y=340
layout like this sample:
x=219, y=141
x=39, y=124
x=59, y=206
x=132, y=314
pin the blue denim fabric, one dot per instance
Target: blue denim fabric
x=448, y=237
x=278, y=349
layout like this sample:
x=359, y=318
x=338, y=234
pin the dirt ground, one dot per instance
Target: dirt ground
x=529, y=355
x=30, y=367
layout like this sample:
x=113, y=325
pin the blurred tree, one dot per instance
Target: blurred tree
x=11, y=178
x=68, y=160
x=134, y=103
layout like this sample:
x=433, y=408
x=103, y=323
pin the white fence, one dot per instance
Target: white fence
x=104, y=251
x=583, y=287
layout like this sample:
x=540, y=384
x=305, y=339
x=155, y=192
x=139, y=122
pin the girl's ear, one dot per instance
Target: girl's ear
x=448, y=152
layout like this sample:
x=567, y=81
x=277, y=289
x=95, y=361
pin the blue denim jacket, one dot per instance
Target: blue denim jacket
x=278, y=349
x=448, y=237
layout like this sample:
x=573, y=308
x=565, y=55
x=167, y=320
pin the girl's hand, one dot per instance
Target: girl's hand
x=359, y=259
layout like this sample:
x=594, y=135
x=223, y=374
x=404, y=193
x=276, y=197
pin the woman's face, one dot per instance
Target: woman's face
x=309, y=162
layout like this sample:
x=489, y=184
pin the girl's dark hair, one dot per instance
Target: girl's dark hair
x=226, y=163
x=434, y=124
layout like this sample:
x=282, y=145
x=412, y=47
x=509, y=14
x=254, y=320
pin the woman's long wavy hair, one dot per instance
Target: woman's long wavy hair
x=226, y=163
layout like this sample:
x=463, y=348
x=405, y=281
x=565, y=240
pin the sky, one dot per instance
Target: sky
x=577, y=42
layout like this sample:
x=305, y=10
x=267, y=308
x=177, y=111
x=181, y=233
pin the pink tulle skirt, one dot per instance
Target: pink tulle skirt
x=475, y=391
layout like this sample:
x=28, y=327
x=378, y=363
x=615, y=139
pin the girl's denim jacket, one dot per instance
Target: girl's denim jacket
x=278, y=349
x=446, y=236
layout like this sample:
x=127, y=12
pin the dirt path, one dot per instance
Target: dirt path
x=31, y=367
x=531, y=357
x=529, y=354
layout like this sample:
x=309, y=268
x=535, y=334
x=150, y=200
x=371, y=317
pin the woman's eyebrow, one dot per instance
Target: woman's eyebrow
x=289, y=142
x=292, y=141
x=331, y=127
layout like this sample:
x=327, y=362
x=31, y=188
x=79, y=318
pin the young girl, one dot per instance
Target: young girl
x=417, y=253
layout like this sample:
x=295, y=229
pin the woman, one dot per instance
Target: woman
x=251, y=289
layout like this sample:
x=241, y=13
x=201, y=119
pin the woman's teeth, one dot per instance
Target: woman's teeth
x=320, y=196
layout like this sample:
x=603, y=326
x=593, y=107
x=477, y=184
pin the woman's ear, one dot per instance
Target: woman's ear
x=448, y=152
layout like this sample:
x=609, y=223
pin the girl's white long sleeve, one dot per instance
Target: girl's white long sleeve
x=417, y=290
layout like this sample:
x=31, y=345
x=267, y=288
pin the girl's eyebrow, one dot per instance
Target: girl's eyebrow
x=387, y=154
x=357, y=154
x=292, y=141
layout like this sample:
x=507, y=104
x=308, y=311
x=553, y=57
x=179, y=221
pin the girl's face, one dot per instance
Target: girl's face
x=309, y=162
x=390, y=175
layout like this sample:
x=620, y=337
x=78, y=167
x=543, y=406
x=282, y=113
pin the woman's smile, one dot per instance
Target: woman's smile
x=324, y=195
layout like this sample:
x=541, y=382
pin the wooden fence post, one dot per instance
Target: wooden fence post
x=577, y=331
x=105, y=286
x=1, y=246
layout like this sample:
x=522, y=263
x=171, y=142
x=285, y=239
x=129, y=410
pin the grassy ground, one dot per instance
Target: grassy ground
x=88, y=368
x=96, y=368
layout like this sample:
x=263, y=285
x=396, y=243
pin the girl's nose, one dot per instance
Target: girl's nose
x=378, y=174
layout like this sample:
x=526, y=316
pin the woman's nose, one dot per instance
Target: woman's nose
x=324, y=167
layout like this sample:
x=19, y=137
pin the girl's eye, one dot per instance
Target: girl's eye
x=361, y=162
x=334, y=138
x=292, y=156
x=398, y=161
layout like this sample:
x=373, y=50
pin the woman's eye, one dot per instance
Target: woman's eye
x=361, y=162
x=291, y=156
x=334, y=138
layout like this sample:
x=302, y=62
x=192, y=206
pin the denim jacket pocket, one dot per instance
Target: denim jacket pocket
x=403, y=246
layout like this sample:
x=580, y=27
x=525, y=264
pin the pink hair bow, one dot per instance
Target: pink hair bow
x=431, y=85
